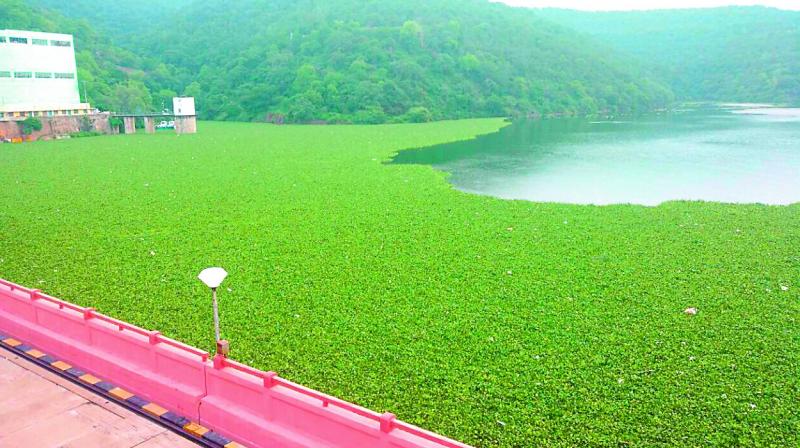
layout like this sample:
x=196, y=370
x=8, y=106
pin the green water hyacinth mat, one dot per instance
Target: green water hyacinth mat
x=498, y=323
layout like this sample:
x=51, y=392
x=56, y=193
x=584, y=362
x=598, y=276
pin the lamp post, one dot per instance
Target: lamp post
x=213, y=277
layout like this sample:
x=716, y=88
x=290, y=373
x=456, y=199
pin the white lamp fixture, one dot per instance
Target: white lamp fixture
x=213, y=277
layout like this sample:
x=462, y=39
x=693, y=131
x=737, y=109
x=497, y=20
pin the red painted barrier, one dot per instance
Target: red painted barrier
x=155, y=367
x=251, y=406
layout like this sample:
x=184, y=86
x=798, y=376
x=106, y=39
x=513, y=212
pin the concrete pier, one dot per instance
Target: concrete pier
x=186, y=124
x=130, y=125
x=184, y=116
x=150, y=125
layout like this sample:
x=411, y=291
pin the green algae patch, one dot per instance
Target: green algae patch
x=499, y=323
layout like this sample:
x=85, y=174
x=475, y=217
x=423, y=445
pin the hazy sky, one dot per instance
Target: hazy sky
x=649, y=4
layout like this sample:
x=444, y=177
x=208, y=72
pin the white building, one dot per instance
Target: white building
x=38, y=75
x=185, y=115
x=183, y=106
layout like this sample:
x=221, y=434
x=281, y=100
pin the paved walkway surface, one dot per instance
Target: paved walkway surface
x=41, y=409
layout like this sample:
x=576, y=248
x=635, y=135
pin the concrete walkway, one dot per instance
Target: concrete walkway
x=39, y=409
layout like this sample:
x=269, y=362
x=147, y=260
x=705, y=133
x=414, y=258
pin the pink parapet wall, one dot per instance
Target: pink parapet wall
x=254, y=407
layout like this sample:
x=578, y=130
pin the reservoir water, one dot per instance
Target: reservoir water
x=726, y=154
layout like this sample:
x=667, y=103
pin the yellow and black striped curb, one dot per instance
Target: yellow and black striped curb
x=179, y=424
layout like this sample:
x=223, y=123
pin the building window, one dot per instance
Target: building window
x=39, y=41
x=2, y=39
x=65, y=75
x=5, y=74
x=18, y=40
x=23, y=75
x=44, y=75
x=60, y=43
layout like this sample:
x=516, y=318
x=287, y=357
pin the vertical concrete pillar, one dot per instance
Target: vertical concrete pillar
x=130, y=125
x=186, y=125
x=150, y=125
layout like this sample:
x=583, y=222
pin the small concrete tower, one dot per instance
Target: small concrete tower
x=185, y=116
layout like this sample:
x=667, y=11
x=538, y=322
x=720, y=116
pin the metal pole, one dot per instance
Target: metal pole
x=216, y=314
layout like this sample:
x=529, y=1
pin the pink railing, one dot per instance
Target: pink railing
x=254, y=407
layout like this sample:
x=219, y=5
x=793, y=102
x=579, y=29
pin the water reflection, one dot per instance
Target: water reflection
x=711, y=154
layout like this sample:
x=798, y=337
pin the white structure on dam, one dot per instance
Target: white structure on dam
x=38, y=76
x=185, y=115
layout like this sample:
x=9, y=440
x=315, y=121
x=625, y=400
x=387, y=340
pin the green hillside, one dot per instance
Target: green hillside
x=725, y=54
x=365, y=62
x=121, y=18
x=383, y=60
x=387, y=60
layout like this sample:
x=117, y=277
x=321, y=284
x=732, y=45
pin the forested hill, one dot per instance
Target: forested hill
x=376, y=61
x=727, y=54
x=118, y=19
x=350, y=59
x=414, y=60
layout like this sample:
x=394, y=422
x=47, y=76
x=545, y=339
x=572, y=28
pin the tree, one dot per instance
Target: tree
x=370, y=115
x=115, y=123
x=30, y=125
x=163, y=99
x=412, y=28
x=131, y=97
x=418, y=114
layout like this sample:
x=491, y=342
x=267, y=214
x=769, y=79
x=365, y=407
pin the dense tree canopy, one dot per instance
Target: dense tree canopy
x=724, y=54
x=415, y=60
x=348, y=60
x=351, y=60
x=120, y=19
